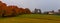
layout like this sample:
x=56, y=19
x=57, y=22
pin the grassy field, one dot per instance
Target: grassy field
x=32, y=18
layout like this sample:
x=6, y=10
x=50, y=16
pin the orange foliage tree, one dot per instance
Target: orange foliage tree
x=12, y=10
x=27, y=11
x=2, y=8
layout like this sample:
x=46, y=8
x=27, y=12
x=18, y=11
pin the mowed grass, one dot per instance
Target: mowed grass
x=32, y=18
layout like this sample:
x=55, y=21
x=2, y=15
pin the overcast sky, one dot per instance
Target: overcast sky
x=44, y=5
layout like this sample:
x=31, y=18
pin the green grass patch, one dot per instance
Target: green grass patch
x=32, y=18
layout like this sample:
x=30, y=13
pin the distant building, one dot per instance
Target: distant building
x=59, y=10
x=37, y=11
x=51, y=12
x=46, y=12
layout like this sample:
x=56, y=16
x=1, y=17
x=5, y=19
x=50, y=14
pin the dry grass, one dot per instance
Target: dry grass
x=32, y=19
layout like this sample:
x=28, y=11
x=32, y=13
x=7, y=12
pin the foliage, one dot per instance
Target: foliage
x=12, y=10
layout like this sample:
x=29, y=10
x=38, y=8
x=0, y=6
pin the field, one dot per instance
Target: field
x=32, y=18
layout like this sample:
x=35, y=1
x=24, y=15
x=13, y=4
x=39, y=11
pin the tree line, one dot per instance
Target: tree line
x=12, y=10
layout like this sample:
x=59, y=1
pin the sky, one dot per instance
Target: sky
x=44, y=5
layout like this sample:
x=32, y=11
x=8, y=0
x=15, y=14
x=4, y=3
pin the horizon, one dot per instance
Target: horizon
x=44, y=5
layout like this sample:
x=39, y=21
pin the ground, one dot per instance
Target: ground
x=32, y=18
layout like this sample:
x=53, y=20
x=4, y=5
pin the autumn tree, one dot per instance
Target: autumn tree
x=27, y=11
x=21, y=11
x=2, y=8
x=13, y=10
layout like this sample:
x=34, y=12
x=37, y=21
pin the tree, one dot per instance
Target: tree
x=21, y=11
x=2, y=8
x=27, y=11
x=13, y=10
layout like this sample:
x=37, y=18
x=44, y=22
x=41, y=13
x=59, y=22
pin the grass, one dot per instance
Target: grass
x=32, y=18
